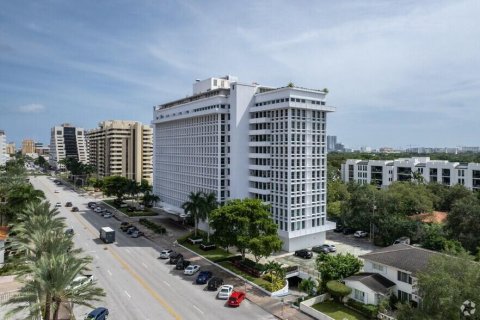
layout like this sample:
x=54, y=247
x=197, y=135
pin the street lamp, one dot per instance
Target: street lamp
x=372, y=226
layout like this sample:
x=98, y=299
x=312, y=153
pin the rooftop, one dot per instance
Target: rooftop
x=374, y=281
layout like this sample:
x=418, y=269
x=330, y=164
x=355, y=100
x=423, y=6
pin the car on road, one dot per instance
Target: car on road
x=182, y=264
x=236, y=298
x=191, y=269
x=92, y=204
x=214, y=283
x=174, y=257
x=125, y=225
x=303, y=253
x=360, y=234
x=107, y=215
x=165, y=253
x=348, y=230
x=68, y=204
x=98, y=314
x=203, y=277
x=99, y=209
x=324, y=248
x=225, y=291
x=321, y=249
x=58, y=205
x=74, y=209
x=131, y=230
x=136, y=234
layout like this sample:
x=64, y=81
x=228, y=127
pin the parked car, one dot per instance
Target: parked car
x=236, y=298
x=182, y=264
x=123, y=205
x=174, y=257
x=338, y=228
x=324, y=248
x=191, y=269
x=165, y=254
x=107, y=215
x=404, y=240
x=58, y=205
x=321, y=249
x=136, y=234
x=214, y=283
x=124, y=226
x=98, y=314
x=203, y=277
x=69, y=231
x=131, y=229
x=56, y=191
x=360, y=234
x=74, y=209
x=99, y=209
x=91, y=204
x=225, y=291
x=304, y=253
x=68, y=204
x=348, y=230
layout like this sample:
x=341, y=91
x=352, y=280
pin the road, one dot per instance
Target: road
x=138, y=285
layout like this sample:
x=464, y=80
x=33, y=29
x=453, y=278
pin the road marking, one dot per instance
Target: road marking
x=139, y=279
x=197, y=308
x=144, y=265
x=168, y=284
x=127, y=294
x=109, y=272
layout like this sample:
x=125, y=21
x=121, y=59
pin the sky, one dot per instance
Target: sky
x=400, y=73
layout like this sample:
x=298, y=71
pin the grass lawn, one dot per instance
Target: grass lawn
x=145, y=213
x=213, y=255
x=338, y=311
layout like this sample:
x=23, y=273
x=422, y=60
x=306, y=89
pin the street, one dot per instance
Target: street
x=138, y=285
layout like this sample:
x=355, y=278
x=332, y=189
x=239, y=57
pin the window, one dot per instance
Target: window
x=403, y=296
x=359, y=295
x=404, y=277
x=377, y=267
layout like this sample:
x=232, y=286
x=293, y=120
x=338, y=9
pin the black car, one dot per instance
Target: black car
x=174, y=257
x=131, y=229
x=303, y=253
x=75, y=209
x=182, y=264
x=348, y=230
x=321, y=249
x=215, y=283
x=125, y=225
x=92, y=204
x=68, y=204
x=203, y=277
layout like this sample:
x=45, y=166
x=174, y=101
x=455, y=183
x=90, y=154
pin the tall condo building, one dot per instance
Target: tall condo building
x=28, y=146
x=122, y=148
x=241, y=140
x=11, y=149
x=67, y=141
x=3, y=148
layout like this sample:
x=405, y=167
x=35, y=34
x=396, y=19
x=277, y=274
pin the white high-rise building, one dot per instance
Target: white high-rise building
x=67, y=141
x=243, y=140
x=3, y=148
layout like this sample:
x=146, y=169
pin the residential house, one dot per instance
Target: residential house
x=393, y=269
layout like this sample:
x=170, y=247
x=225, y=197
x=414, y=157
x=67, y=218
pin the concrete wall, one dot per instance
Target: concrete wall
x=306, y=307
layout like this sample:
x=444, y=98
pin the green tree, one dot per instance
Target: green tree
x=116, y=186
x=337, y=267
x=357, y=210
x=463, y=222
x=193, y=206
x=239, y=222
x=444, y=285
x=208, y=203
x=308, y=286
x=338, y=290
x=410, y=198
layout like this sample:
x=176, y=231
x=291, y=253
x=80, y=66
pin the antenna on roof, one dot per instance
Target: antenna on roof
x=197, y=80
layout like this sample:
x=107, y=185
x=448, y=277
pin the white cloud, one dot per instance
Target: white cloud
x=31, y=108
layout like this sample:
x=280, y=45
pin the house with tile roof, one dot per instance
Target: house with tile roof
x=390, y=270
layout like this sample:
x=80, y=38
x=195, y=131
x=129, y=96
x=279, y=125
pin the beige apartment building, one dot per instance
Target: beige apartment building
x=11, y=149
x=123, y=148
x=28, y=146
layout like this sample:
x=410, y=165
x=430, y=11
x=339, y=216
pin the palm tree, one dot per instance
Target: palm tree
x=275, y=270
x=193, y=206
x=307, y=286
x=208, y=204
x=20, y=195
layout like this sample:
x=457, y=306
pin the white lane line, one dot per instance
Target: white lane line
x=127, y=294
x=144, y=265
x=197, y=308
x=109, y=272
x=168, y=284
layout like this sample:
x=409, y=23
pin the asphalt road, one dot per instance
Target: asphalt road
x=138, y=285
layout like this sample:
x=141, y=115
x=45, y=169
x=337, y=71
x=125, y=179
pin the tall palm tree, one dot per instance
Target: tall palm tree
x=193, y=206
x=208, y=204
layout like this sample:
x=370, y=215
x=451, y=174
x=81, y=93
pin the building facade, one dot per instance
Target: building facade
x=28, y=146
x=11, y=148
x=383, y=172
x=123, y=148
x=3, y=148
x=67, y=141
x=242, y=140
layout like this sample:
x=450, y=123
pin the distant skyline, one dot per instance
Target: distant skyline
x=400, y=73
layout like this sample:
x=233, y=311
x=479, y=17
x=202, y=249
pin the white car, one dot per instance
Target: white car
x=191, y=269
x=165, y=254
x=58, y=205
x=99, y=210
x=108, y=215
x=360, y=234
x=225, y=291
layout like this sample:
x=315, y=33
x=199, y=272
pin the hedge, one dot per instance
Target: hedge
x=153, y=226
x=368, y=310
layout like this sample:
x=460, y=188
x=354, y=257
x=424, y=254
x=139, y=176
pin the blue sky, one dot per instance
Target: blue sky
x=399, y=72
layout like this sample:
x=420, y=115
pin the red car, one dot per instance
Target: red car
x=236, y=298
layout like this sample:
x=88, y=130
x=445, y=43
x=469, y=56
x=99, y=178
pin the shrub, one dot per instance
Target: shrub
x=368, y=310
x=153, y=226
x=274, y=285
x=338, y=289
